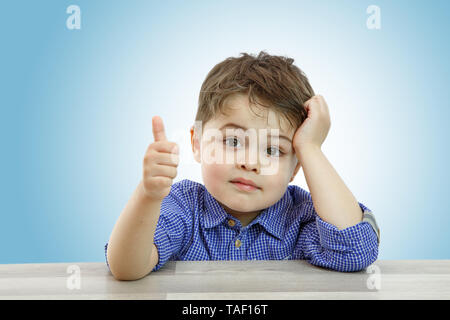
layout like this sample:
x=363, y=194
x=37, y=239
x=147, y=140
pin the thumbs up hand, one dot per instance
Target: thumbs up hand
x=160, y=163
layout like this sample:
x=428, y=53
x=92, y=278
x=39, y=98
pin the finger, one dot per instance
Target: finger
x=168, y=159
x=158, y=129
x=319, y=105
x=159, y=182
x=307, y=104
x=165, y=146
x=158, y=170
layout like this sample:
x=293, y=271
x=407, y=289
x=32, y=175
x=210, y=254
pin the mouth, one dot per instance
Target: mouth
x=244, y=186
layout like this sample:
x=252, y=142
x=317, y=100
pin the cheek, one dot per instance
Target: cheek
x=215, y=176
x=213, y=171
x=275, y=167
x=274, y=182
x=283, y=173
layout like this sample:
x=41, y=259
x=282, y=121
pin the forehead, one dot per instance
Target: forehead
x=239, y=111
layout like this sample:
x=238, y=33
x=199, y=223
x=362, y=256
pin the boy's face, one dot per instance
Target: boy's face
x=253, y=152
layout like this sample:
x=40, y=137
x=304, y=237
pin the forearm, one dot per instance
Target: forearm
x=332, y=200
x=131, y=242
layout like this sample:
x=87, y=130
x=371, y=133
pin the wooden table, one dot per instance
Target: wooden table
x=229, y=280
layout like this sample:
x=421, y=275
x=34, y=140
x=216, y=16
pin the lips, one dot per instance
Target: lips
x=245, y=182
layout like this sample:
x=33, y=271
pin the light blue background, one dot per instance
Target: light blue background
x=76, y=109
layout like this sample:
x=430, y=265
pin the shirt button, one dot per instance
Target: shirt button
x=231, y=223
x=238, y=243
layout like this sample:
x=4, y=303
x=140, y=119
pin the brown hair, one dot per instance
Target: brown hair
x=270, y=81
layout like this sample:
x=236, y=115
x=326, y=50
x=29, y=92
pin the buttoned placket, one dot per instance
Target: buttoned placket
x=237, y=251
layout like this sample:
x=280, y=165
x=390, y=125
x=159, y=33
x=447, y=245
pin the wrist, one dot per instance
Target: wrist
x=146, y=198
x=306, y=149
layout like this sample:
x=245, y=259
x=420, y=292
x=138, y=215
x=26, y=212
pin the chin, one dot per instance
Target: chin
x=241, y=209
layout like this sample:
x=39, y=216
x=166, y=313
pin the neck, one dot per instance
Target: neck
x=244, y=217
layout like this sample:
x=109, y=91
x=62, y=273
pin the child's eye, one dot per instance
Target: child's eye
x=278, y=153
x=233, y=139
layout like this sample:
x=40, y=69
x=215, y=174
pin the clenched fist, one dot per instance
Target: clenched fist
x=160, y=163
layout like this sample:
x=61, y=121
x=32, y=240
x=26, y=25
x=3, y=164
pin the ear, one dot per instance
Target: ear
x=195, y=145
x=295, y=170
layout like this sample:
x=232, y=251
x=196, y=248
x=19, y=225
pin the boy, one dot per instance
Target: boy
x=246, y=210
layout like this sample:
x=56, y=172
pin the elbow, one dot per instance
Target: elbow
x=127, y=276
x=124, y=272
x=344, y=261
x=360, y=261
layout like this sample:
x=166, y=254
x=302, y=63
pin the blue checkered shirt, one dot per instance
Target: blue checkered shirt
x=193, y=226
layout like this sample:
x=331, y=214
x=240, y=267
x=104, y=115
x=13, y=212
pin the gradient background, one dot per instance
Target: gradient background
x=76, y=109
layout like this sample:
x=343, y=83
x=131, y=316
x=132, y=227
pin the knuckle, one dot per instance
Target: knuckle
x=175, y=172
x=162, y=181
x=150, y=154
x=151, y=147
x=148, y=160
x=175, y=159
x=170, y=171
x=149, y=170
x=158, y=182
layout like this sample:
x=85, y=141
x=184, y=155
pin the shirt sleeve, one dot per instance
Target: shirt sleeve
x=173, y=228
x=106, y=256
x=346, y=250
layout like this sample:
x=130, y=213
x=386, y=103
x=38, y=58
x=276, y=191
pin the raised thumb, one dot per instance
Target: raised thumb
x=158, y=129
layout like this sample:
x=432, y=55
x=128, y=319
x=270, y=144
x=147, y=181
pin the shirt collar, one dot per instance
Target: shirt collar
x=272, y=218
x=214, y=213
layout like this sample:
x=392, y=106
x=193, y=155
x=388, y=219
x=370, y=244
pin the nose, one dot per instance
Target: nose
x=250, y=163
x=250, y=167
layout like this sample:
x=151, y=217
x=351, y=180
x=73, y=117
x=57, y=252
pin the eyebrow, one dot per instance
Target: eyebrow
x=237, y=126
